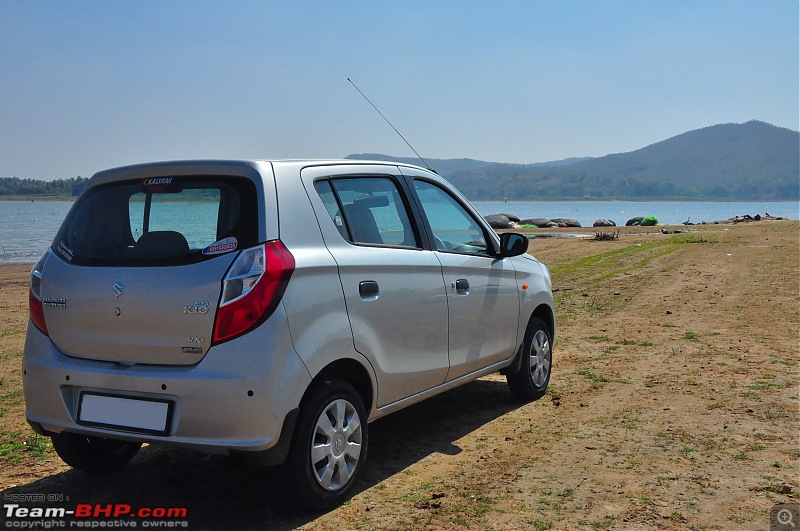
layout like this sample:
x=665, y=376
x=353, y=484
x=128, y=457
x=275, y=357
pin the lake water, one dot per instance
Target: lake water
x=28, y=228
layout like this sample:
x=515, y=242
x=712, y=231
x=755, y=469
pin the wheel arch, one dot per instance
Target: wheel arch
x=546, y=314
x=352, y=372
x=543, y=312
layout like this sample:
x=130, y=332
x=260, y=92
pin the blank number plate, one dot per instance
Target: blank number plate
x=129, y=414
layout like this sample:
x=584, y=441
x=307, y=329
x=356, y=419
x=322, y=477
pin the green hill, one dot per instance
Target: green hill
x=738, y=162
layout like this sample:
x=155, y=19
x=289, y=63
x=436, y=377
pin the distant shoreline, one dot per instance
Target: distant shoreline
x=36, y=198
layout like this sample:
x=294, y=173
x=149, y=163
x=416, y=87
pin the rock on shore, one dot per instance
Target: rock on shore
x=498, y=221
x=603, y=222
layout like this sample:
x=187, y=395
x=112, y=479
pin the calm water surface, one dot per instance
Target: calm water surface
x=28, y=228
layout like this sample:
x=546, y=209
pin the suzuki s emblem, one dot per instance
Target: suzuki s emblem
x=118, y=289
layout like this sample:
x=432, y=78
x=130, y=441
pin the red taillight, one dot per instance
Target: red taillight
x=35, y=306
x=37, y=312
x=252, y=289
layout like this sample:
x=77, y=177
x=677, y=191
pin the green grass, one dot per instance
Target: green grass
x=593, y=377
x=637, y=343
x=764, y=383
x=617, y=261
x=569, y=491
x=540, y=525
x=691, y=336
x=15, y=447
x=601, y=379
x=12, y=398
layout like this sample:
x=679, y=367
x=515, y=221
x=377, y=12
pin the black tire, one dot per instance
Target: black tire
x=530, y=382
x=323, y=467
x=93, y=454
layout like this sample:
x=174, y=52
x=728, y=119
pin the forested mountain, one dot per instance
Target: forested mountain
x=744, y=162
x=749, y=161
x=451, y=166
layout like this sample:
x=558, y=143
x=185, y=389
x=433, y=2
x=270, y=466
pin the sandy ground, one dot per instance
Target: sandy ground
x=673, y=405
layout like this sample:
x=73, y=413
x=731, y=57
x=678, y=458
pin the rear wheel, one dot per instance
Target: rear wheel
x=329, y=447
x=530, y=382
x=93, y=454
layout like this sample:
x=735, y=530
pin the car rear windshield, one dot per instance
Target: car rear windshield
x=159, y=221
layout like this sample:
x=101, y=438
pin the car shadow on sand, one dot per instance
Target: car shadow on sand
x=219, y=493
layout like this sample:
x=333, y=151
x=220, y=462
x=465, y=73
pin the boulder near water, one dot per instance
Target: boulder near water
x=542, y=223
x=634, y=221
x=498, y=221
x=566, y=222
x=603, y=222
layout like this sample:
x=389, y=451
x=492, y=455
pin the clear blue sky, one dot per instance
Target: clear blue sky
x=86, y=85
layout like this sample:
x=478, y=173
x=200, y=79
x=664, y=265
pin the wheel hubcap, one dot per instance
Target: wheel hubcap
x=336, y=445
x=540, y=358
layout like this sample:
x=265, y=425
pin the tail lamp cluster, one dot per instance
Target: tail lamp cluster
x=35, y=306
x=252, y=289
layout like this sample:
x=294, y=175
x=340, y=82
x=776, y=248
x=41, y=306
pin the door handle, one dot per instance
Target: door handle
x=368, y=290
x=462, y=286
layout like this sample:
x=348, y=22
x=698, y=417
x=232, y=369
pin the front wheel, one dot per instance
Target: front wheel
x=329, y=447
x=530, y=382
x=93, y=454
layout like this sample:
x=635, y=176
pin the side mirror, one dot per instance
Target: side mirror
x=513, y=244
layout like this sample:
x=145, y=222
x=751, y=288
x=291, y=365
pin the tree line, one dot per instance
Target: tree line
x=33, y=187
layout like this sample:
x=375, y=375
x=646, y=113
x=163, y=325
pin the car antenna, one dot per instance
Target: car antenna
x=424, y=162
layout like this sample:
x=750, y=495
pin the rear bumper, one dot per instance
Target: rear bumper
x=239, y=398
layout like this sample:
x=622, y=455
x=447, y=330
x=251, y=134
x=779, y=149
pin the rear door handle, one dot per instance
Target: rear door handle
x=368, y=290
x=462, y=286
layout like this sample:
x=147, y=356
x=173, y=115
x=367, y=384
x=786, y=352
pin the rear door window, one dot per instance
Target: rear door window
x=162, y=221
x=368, y=211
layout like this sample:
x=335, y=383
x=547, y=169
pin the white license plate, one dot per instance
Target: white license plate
x=124, y=413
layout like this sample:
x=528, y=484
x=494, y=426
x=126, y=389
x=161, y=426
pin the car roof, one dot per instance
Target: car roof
x=251, y=163
x=250, y=167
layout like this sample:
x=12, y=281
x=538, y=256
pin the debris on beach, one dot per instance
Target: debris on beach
x=738, y=219
x=606, y=236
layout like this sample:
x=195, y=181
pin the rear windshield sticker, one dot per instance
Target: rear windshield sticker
x=65, y=251
x=158, y=181
x=222, y=246
x=159, y=184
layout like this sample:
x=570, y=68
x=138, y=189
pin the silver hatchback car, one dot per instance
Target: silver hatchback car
x=272, y=309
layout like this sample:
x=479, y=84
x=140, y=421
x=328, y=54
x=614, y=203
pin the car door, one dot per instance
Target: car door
x=482, y=294
x=393, y=289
